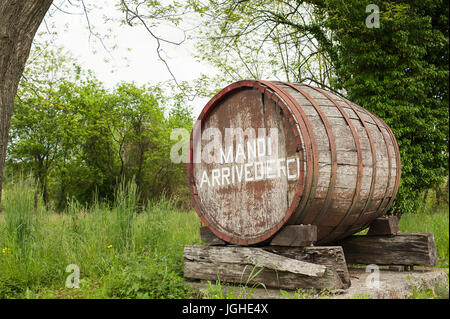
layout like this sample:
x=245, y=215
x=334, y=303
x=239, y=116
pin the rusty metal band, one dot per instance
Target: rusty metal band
x=305, y=204
x=359, y=172
x=332, y=142
x=374, y=164
x=380, y=209
x=264, y=91
x=388, y=151
x=397, y=161
x=190, y=168
x=273, y=91
x=312, y=177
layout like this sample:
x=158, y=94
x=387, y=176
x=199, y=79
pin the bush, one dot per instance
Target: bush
x=11, y=286
x=147, y=277
x=121, y=253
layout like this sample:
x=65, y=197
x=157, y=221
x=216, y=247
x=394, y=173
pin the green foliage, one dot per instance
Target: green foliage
x=123, y=215
x=148, y=263
x=79, y=139
x=20, y=216
x=11, y=287
x=436, y=222
x=398, y=71
x=438, y=290
x=223, y=290
x=245, y=40
x=146, y=277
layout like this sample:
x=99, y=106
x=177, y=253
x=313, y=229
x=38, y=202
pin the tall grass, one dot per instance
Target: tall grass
x=20, y=215
x=110, y=245
x=433, y=221
x=122, y=250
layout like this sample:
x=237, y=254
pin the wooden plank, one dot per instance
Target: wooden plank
x=253, y=265
x=248, y=275
x=386, y=225
x=290, y=235
x=330, y=256
x=401, y=249
x=261, y=210
x=295, y=236
x=252, y=256
x=208, y=237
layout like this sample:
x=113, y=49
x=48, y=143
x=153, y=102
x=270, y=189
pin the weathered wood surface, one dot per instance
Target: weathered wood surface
x=349, y=164
x=387, y=225
x=401, y=249
x=244, y=212
x=290, y=235
x=295, y=236
x=252, y=256
x=208, y=237
x=395, y=285
x=330, y=256
x=251, y=265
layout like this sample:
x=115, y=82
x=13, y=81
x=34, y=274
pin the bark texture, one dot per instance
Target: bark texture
x=19, y=21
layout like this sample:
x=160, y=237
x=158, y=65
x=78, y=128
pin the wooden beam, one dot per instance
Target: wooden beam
x=253, y=265
x=330, y=256
x=386, y=225
x=252, y=256
x=295, y=236
x=209, y=238
x=401, y=249
x=290, y=235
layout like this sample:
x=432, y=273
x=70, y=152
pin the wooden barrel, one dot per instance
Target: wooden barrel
x=267, y=154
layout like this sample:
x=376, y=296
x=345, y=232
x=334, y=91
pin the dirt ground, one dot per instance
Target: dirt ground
x=392, y=284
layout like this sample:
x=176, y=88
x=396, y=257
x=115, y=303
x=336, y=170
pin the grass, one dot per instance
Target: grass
x=125, y=254
x=427, y=291
x=120, y=253
x=222, y=290
x=436, y=222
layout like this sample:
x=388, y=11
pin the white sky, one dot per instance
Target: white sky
x=135, y=43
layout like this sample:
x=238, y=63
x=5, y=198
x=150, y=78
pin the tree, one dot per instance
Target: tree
x=247, y=39
x=47, y=125
x=41, y=129
x=398, y=70
x=19, y=21
x=79, y=139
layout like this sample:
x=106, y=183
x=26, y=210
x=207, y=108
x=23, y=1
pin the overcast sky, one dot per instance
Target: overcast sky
x=133, y=43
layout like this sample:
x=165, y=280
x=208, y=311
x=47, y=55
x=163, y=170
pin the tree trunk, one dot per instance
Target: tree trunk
x=36, y=192
x=446, y=191
x=45, y=195
x=425, y=196
x=438, y=202
x=19, y=21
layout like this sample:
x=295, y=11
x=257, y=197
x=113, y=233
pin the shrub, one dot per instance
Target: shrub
x=145, y=277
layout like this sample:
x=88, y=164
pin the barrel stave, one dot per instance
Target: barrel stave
x=349, y=161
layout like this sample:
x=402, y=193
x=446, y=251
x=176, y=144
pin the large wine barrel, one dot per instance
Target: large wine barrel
x=267, y=154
